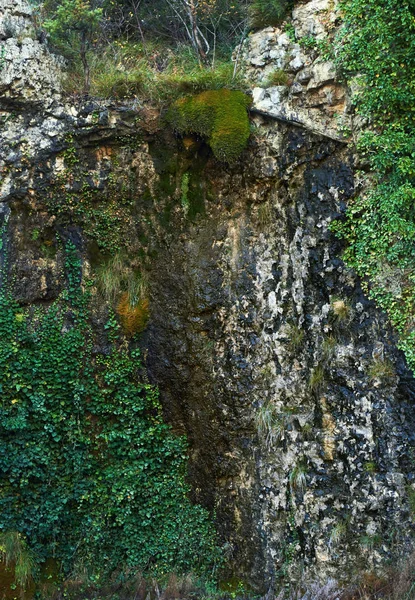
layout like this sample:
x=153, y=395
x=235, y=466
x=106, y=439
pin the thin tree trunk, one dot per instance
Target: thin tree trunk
x=85, y=63
x=177, y=13
x=135, y=6
x=197, y=42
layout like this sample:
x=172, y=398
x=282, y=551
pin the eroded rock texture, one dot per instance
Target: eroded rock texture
x=274, y=363
x=298, y=408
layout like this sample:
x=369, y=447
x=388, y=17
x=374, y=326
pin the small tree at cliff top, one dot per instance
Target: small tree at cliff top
x=72, y=29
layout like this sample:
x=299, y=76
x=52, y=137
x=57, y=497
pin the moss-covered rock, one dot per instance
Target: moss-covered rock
x=220, y=116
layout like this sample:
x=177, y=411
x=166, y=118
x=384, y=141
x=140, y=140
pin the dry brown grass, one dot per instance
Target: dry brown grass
x=397, y=584
x=133, y=316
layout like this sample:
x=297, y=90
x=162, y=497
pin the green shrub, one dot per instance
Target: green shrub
x=220, y=116
x=263, y=13
x=72, y=25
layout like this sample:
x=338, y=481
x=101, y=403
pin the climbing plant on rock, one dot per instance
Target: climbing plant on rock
x=377, y=43
x=91, y=474
x=220, y=116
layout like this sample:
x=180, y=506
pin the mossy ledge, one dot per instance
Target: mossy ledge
x=220, y=116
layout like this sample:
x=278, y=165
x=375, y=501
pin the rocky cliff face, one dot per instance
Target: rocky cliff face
x=298, y=408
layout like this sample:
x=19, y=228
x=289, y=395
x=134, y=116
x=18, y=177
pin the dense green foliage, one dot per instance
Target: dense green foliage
x=220, y=116
x=267, y=12
x=377, y=42
x=150, y=49
x=90, y=474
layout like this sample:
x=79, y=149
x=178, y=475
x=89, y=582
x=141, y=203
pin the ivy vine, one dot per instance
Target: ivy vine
x=377, y=45
x=90, y=473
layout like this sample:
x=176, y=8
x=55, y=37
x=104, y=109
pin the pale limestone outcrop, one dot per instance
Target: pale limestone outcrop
x=314, y=18
x=28, y=72
x=311, y=95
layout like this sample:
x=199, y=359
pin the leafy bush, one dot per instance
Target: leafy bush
x=72, y=25
x=263, y=13
x=90, y=473
x=220, y=116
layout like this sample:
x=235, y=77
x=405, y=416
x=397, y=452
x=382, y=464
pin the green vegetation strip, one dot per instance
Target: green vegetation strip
x=377, y=43
x=91, y=475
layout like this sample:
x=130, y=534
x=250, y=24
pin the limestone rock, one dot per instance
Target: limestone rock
x=314, y=18
x=313, y=96
x=28, y=71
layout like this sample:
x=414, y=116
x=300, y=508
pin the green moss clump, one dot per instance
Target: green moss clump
x=220, y=116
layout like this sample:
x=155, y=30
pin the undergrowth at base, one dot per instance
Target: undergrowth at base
x=91, y=475
x=377, y=42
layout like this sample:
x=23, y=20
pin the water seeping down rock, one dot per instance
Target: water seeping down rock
x=298, y=407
